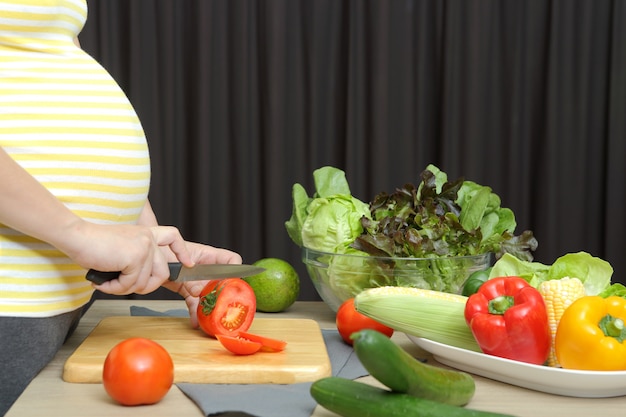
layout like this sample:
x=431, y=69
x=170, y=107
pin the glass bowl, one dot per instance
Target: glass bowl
x=337, y=277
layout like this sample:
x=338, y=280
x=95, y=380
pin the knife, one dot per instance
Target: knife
x=180, y=273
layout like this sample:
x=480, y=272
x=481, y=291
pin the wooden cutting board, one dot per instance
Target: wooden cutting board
x=199, y=358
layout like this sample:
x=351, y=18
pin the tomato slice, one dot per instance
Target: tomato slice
x=267, y=343
x=239, y=345
x=226, y=307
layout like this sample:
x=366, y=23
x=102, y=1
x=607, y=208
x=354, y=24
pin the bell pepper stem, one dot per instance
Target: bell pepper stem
x=501, y=304
x=613, y=327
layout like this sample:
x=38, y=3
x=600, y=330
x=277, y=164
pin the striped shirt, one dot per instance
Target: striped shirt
x=65, y=120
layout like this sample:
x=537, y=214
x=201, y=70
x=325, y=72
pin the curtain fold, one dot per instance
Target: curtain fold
x=613, y=223
x=240, y=99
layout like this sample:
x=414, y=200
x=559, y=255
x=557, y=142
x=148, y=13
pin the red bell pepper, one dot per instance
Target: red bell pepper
x=508, y=318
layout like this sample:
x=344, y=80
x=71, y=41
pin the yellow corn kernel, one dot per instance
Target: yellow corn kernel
x=558, y=294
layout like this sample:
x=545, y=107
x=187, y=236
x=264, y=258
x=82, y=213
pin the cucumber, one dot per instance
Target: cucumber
x=401, y=372
x=355, y=399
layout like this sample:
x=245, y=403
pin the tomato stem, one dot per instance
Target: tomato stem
x=209, y=301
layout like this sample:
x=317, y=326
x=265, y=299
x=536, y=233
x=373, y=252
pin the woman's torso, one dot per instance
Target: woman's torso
x=66, y=121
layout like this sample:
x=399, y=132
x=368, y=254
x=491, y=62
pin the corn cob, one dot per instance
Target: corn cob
x=558, y=294
x=433, y=315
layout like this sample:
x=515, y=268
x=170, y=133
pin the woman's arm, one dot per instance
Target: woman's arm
x=147, y=216
x=27, y=206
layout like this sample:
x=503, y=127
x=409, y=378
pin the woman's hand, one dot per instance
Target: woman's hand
x=136, y=251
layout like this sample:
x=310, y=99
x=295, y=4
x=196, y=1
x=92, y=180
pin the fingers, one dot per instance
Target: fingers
x=190, y=291
x=127, y=284
x=171, y=237
x=146, y=268
x=192, y=304
x=205, y=254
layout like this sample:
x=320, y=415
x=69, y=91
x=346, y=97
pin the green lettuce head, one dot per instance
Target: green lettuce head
x=331, y=219
x=333, y=223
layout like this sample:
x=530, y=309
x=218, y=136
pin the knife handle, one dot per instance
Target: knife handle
x=100, y=277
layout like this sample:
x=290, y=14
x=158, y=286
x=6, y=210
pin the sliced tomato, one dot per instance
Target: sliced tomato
x=267, y=343
x=239, y=345
x=226, y=307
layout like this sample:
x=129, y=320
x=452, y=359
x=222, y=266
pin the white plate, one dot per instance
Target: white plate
x=590, y=384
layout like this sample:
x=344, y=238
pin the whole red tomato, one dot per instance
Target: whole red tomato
x=349, y=320
x=226, y=307
x=138, y=371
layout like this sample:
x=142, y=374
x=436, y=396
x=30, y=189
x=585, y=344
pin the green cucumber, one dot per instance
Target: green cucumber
x=355, y=399
x=475, y=281
x=401, y=372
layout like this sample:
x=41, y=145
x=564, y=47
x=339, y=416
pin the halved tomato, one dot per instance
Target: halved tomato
x=226, y=307
x=267, y=343
x=239, y=345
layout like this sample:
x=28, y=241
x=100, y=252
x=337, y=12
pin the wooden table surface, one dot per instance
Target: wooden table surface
x=49, y=396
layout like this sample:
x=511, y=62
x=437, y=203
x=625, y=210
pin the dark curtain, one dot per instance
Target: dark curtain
x=240, y=99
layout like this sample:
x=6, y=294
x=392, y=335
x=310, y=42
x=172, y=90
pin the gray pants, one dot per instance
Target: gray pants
x=26, y=347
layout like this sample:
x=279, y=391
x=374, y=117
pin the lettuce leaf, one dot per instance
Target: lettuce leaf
x=333, y=223
x=617, y=289
x=329, y=220
x=595, y=273
x=442, y=218
x=299, y=213
x=509, y=265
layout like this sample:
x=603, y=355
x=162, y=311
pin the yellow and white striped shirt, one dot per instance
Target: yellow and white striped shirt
x=65, y=120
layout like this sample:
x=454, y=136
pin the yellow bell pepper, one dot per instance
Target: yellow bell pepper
x=592, y=335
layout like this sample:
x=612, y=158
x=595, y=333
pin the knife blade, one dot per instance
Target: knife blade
x=180, y=273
